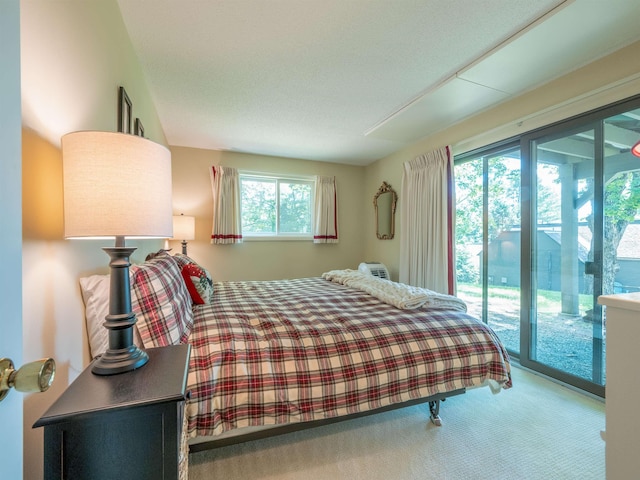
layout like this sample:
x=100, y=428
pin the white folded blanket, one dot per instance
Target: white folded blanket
x=399, y=295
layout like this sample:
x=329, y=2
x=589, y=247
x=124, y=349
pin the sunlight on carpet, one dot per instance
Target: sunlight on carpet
x=536, y=430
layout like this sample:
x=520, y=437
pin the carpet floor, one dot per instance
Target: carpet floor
x=536, y=430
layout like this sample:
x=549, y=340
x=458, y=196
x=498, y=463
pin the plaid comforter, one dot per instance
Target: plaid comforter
x=277, y=352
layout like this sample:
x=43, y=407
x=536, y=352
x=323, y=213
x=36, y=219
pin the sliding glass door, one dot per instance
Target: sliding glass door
x=566, y=328
x=583, y=233
x=488, y=240
x=546, y=223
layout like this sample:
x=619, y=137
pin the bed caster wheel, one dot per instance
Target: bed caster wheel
x=434, y=410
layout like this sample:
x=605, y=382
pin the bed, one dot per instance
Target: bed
x=274, y=356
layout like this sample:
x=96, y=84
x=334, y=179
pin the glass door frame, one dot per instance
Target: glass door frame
x=528, y=142
x=528, y=327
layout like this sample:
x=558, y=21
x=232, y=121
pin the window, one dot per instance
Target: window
x=276, y=206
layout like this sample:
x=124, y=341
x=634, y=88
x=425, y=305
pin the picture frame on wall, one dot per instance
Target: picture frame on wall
x=125, y=109
x=138, y=128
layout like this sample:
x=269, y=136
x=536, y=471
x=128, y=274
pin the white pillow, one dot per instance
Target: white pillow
x=95, y=293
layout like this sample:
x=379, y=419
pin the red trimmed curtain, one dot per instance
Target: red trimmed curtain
x=227, y=224
x=427, y=200
x=325, y=229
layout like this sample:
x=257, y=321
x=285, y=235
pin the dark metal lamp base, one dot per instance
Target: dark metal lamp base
x=113, y=362
x=123, y=355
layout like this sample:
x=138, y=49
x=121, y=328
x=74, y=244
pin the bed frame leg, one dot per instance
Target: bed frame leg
x=434, y=408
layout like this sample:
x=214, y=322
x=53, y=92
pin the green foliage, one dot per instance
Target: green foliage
x=504, y=195
x=265, y=200
x=548, y=194
x=547, y=301
x=503, y=183
x=467, y=268
x=258, y=199
x=469, y=203
x=622, y=198
x=295, y=208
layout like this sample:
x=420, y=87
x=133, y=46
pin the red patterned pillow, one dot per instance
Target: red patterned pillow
x=199, y=283
x=161, y=302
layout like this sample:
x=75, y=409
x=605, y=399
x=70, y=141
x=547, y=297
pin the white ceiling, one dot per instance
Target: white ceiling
x=351, y=81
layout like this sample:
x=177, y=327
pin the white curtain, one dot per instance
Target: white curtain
x=227, y=225
x=325, y=229
x=427, y=222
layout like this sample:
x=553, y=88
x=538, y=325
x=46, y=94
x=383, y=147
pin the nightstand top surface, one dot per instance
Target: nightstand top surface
x=162, y=379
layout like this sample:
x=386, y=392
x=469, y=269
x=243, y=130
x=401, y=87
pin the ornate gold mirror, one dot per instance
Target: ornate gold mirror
x=384, y=202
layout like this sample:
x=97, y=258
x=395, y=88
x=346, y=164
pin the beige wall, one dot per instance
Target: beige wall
x=607, y=80
x=263, y=260
x=75, y=54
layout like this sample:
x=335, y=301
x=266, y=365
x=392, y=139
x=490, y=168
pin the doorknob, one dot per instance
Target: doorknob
x=31, y=377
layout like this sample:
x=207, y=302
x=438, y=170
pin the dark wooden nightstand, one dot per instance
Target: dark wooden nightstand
x=125, y=426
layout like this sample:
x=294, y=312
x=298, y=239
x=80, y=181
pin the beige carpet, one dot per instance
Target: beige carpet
x=536, y=430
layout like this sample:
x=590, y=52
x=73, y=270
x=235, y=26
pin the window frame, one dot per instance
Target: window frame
x=280, y=178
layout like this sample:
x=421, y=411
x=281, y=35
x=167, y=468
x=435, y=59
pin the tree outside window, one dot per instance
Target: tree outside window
x=276, y=206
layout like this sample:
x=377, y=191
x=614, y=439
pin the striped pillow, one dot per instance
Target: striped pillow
x=161, y=302
x=183, y=260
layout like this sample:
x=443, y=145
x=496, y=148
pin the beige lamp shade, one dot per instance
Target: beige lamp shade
x=184, y=227
x=116, y=184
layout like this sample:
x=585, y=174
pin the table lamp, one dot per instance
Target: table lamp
x=116, y=185
x=184, y=228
